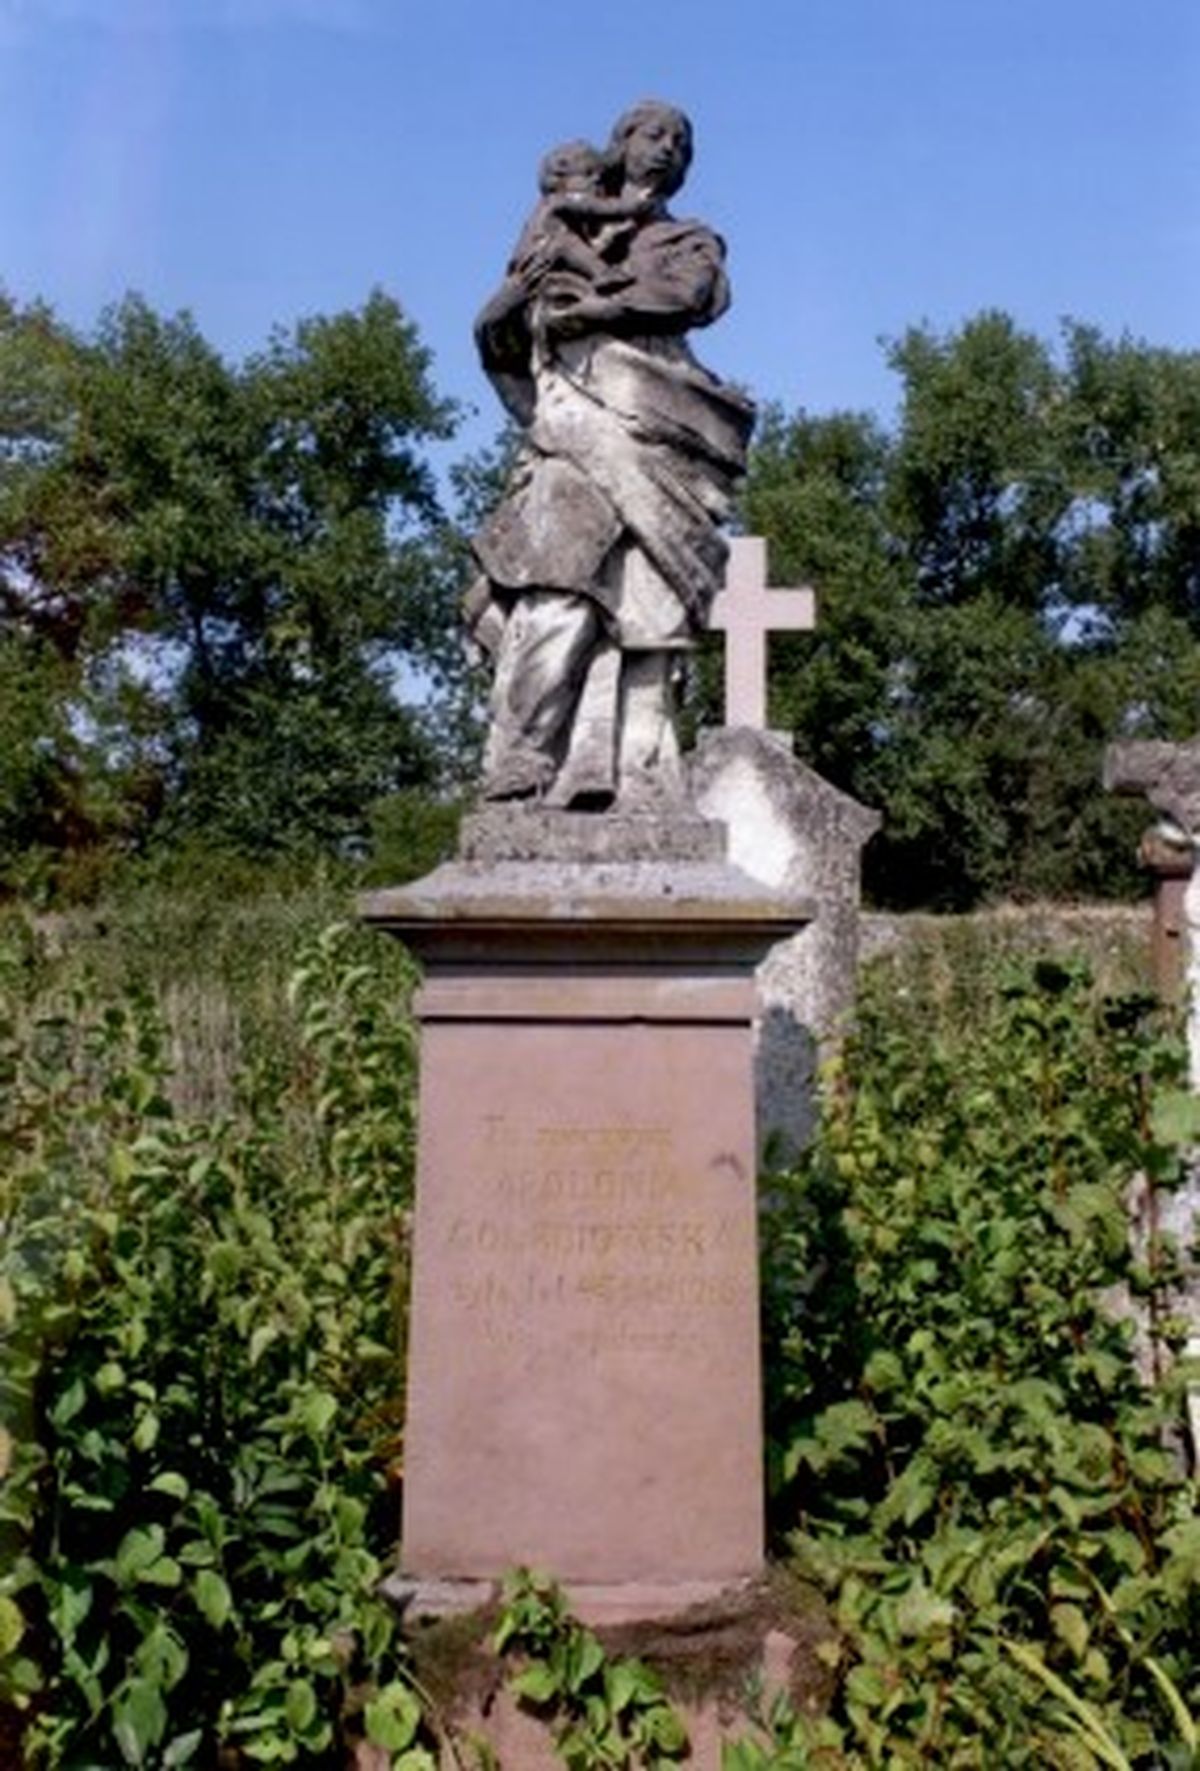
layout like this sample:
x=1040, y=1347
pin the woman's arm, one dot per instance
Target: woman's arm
x=676, y=280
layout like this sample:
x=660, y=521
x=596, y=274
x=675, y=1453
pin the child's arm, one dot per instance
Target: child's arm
x=593, y=206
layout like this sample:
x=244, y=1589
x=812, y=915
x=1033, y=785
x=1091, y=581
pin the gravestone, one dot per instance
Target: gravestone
x=584, y=1388
x=1168, y=775
x=797, y=833
x=802, y=837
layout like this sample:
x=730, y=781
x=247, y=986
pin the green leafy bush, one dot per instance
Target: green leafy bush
x=966, y=1452
x=198, y=1378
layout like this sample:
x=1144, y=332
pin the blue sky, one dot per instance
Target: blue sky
x=872, y=163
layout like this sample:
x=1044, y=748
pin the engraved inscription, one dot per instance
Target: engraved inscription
x=594, y=1241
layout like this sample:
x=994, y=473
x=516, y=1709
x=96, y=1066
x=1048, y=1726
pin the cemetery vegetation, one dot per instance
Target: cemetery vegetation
x=201, y=1326
x=975, y=1388
x=603, y=1709
x=229, y=597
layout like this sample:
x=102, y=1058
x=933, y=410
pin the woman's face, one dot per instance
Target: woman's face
x=655, y=151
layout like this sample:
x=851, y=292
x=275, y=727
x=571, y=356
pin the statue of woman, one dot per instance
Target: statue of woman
x=599, y=567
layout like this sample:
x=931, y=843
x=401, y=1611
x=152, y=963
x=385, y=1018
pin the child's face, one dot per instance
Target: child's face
x=571, y=173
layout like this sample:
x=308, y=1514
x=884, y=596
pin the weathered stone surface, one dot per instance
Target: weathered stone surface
x=1168, y=775
x=602, y=560
x=583, y=1378
x=535, y=833
x=770, y=1637
x=578, y=915
x=798, y=834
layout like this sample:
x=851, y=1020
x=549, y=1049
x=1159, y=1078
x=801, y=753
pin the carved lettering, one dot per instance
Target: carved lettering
x=594, y=1241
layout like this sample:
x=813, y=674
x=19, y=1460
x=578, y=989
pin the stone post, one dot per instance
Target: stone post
x=1170, y=863
x=1168, y=775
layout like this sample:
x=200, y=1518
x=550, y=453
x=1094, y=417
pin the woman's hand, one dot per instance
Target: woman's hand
x=570, y=310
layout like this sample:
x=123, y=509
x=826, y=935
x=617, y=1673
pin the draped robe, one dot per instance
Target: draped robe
x=617, y=498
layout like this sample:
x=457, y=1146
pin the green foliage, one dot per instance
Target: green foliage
x=199, y=1328
x=1008, y=580
x=605, y=1712
x=411, y=834
x=227, y=565
x=964, y=1450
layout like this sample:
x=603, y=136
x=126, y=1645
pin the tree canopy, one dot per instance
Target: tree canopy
x=211, y=576
x=1008, y=579
x=228, y=593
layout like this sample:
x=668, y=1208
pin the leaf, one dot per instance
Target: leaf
x=69, y=1403
x=1175, y=1117
x=166, y=1572
x=621, y=1681
x=315, y=1412
x=139, y=1720
x=300, y=1706
x=584, y=1659
x=921, y=1612
x=538, y=1683
x=1070, y=1626
x=109, y=1378
x=665, y=1728
x=864, y=1684
x=261, y=1339
x=1189, y=1733
x=170, y=1482
x=136, y=1551
x=183, y=1748
x=71, y=1604
x=392, y=1717
x=12, y=1625
x=145, y=1434
x=213, y=1597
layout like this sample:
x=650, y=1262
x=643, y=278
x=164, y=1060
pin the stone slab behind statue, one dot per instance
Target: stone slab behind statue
x=802, y=837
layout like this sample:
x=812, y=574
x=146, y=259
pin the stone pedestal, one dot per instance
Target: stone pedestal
x=584, y=1366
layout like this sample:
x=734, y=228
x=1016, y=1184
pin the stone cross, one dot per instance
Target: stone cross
x=746, y=611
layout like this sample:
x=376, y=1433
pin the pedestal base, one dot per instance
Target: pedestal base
x=584, y=1359
x=770, y=1636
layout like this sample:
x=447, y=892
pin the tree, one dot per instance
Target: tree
x=1008, y=580
x=229, y=562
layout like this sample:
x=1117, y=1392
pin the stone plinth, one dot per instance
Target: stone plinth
x=584, y=1368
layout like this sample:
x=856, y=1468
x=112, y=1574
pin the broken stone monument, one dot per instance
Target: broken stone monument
x=583, y=1389
x=1168, y=775
x=797, y=833
x=803, y=837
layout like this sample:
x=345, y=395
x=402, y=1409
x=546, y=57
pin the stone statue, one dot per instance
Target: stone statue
x=598, y=568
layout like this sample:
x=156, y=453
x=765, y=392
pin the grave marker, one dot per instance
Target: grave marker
x=746, y=610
